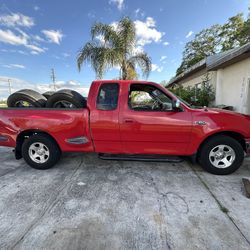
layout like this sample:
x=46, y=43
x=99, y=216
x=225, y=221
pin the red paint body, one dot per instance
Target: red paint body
x=124, y=130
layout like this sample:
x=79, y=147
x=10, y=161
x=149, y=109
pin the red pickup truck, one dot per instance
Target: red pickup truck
x=133, y=119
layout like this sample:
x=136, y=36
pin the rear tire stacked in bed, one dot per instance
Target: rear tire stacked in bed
x=65, y=98
x=26, y=98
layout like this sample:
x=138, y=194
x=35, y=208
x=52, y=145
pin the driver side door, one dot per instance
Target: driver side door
x=149, y=125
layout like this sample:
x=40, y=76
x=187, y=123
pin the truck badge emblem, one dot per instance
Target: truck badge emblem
x=200, y=123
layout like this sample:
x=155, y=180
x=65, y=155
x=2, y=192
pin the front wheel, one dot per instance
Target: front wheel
x=40, y=151
x=221, y=155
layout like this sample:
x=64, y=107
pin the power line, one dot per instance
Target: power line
x=53, y=78
x=9, y=82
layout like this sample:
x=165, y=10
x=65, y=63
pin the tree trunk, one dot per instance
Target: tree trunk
x=124, y=71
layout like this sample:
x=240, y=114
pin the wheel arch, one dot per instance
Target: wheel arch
x=235, y=135
x=25, y=134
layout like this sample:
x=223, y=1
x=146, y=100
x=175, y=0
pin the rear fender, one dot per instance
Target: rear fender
x=24, y=135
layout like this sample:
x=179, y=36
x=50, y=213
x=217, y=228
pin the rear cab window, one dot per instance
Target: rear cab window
x=108, y=95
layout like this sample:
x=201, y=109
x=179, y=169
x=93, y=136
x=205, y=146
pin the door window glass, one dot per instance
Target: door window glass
x=144, y=97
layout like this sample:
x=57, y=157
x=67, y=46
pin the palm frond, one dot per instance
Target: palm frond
x=100, y=58
x=85, y=54
x=143, y=61
x=119, y=44
x=103, y=59
x=131, y=65
x=105, y=30
x=126, y=32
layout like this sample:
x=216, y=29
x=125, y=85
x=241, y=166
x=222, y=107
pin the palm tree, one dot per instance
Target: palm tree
x=116, y=48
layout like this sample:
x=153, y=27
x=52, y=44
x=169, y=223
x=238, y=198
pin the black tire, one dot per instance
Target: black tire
x=50, y=145
x=66, y=98
x=225, y=143
x=27, y=96
x=48, y=94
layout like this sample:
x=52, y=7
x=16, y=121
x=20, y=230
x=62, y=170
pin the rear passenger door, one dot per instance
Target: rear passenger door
x=104, y=119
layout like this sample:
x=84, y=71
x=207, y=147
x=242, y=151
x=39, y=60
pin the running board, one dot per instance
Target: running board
x=149, y=158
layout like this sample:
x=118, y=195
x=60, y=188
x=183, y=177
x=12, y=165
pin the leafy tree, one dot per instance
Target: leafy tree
x=218, y=38
x=206, y=93
x=244, y=34
x=204, y=44
x=115, y=48
x=231, y=32
x=187, y=94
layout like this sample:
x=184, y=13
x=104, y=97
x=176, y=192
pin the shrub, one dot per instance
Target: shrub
x=197, y=96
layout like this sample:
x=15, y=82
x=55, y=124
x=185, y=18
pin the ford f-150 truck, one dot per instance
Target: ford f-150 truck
x=134, y=119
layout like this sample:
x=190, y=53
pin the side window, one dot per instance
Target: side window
x=144, y=97
x=107, y=98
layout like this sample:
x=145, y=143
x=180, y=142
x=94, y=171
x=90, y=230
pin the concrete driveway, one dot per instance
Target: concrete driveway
x=88, y=203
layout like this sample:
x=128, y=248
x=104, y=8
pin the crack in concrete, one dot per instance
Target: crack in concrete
x=163, y=200
x=220, y=205
x=149, y=181
x=154, y=184
x=54, y=198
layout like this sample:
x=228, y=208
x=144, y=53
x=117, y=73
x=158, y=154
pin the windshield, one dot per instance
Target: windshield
x=160, y=96
x=179, y=98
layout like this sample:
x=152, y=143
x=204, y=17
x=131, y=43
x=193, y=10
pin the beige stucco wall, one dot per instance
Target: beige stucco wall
x=198, y=77
x=232, y=86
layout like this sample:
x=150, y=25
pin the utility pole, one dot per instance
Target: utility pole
x=53, y=78
x=9, y=86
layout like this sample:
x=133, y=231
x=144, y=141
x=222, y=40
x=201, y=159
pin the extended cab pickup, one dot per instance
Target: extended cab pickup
x=128, y=118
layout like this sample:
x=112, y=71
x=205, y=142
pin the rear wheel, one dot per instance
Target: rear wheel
x=40, y=151
x=221, y=155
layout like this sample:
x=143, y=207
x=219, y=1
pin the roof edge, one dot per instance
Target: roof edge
x=196, y=67
x=215, y=62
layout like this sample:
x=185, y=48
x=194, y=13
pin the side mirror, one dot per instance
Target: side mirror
x=176, y=105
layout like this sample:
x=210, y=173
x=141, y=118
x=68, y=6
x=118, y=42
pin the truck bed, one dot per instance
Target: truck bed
x=61, y=124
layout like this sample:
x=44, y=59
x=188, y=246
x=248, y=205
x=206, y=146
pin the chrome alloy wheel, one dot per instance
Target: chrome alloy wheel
x=38, y=152
x=222, y=156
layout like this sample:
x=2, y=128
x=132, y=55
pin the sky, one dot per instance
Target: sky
x=36, y=36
